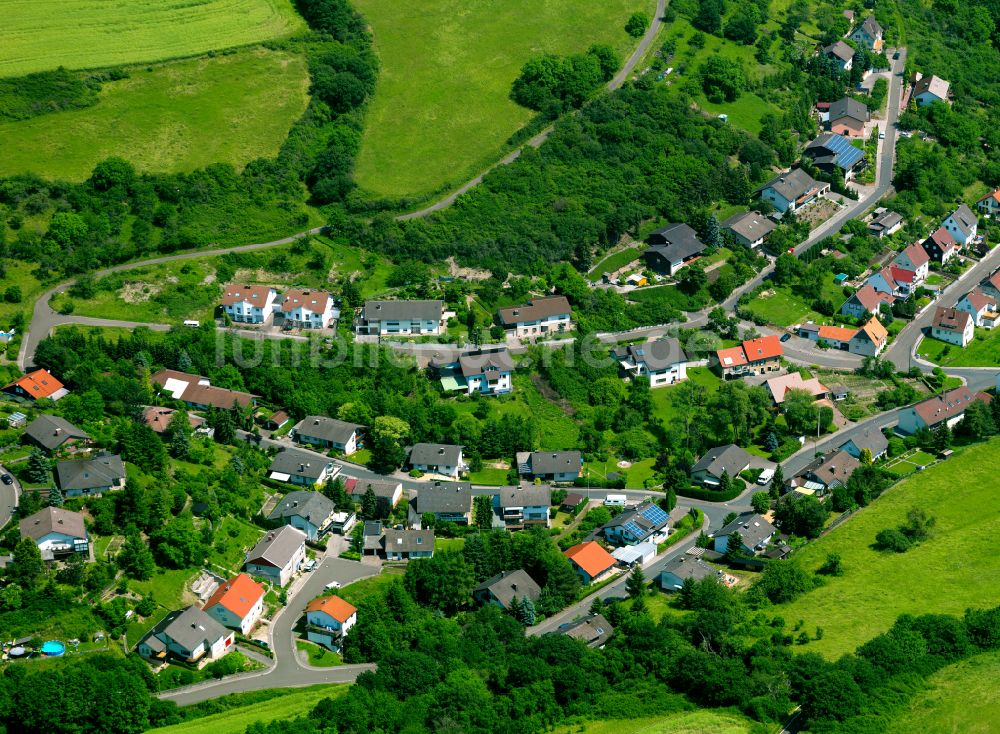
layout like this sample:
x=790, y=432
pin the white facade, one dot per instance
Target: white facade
x=279, y=575
x=53, y=544
x=480, y=384
x=547, y=325
x=958, y=233
x=307, y=309
x=251, y=311
x=958, y=338
x=227, y=618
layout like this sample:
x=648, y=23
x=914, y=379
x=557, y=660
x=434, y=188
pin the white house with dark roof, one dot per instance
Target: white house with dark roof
x=446, y=501
x=872, y=439
x=487, y=371
x=885, y=224
x=278, y=555
x=305, y=308
x=400, y=318
x=754, y=530
x=750, y=229
x=953, y=326
x=309, y=511
x=680, y=568
x=88, y=477
x=524, y=505
x=407, y=543
x=662, y=361
x=673, y=247
x=793, y=190
x=647, y=522
x=57, y=532
x=962, y=225
x=329, y=433
x=436, y=458
x=868, y=34
x=302, y=468
x=841, y=53
x=539, y=316
x=248, y=304
x=189, y=634
x=729, y=459
x=550, y=466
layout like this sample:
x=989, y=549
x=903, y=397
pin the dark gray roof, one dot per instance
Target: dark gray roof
x=750, y=225
x=836, y=466
x=792, y=185
x=730, y=458
x=688, y=567
x=381, y=487
x=753, y=528
x=849, y=107
x=871, y=26
x=327, y=429
x=886, y=220
x=53, y=520
x=555, y=462
x=407, y=541
x=435, y=454
x=594, y=630
x=483, y=361
x=444, y=497
x=189, y=628
x=841, y=50
x=871, y=439
x=965, y=219
x=657, y=355
x=675, y=242
x=533, y=495
x=299, y=463
x=277, y=547
x=536, y=309
x=509, y=584
x=315, y=507
x=102, y=471
x=52, y=431
x=403, y=310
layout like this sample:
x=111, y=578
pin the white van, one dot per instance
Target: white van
x=614, y=500
x=191, y=324
x=765, y=477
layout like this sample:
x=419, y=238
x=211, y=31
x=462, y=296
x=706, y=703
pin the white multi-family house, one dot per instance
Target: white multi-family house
x=301, y=467
x=330, y=433
x=487, y=371
x=444, y=459
x=953, y=326
x=793, y=190
x=662, y=362
x=400, y=318
x=309, y=309
x=962, y=225
x=278, y=555
x=310, y=511
x=868, y=34
x=238, y=603
x=248, y=304
x=522, y=506
x=328, y=620
x=915, y=259
x=548, y=315
x=981, y=306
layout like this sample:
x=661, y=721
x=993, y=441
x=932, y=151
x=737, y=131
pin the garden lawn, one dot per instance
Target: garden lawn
x=663, y=406
x=962, y=698
x=954, y=570
x=615, y=262
x=745, y=112
x=441, y=111
x=689, y=722
x=38, y=35
x=983, y=351
x=318, y=655
x=636, y=474
x=489, y=476
x=180, y=116
x=167, y=587
x=449, y=544
x=360, y=590
x=233, y=537
x=785, y=307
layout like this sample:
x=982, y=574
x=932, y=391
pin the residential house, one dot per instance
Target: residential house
x=946, y=408
x=929, y=89
x=962, y=225
x=866, y=300
x=825, y=473
x=662, y=361
x=893, y=281
x=435, y=458
x=329, y=433
x=885, y=224
x=868, y=34
x=989, y=204
x=524, y=505
x=275, y=420
x=238, y=603
x=550, y=466
x=636, y=525
x=328, y=620
x=57, y=532
x=680, y=568
x=915, y=259
x=779, y=387
x=729, y=459
x=507, y=587
x=831, y=152
x=405, y=544
x=752, y=357
x=837, y=337
x=35, y=386
x=750, y=229
x=51, y=432
x=591, y=561
x=189, y=634
x=990, y=285
x=981, y=306
x=953, y=326
x=248, y=304
x=841, y=53
x=278, y=555
x=309, y=309
x=540, y=316
x=754, y=530
x=446, y=501
x=388, y=492
x=870, y=339
x=871, y=439
x=309, y=511
x=197, y=392
x=594, y=630
x=302, y=468
x=673, y=247
x=400, y=318
x=487, y=371
x=793, y=190
x=88, y=477
x=158, y=419
x=848, y=117
x=941, y=246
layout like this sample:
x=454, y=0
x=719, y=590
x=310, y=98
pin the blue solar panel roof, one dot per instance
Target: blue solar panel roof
x=654, y=514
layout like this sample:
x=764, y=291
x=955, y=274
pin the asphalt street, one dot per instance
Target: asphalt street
x=9, y=494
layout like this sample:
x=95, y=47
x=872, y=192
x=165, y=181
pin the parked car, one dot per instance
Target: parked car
x=7, y=479
x=785, y=337
x=765, y=477
x=333, y=585
x=895, y=55
x=881, y=136
x=309, y=565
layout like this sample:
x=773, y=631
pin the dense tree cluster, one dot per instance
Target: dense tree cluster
x=553, y=84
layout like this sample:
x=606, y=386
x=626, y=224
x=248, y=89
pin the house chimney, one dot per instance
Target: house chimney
x=302, y=467
x=440, y=451
x=513, y=587
x=59, y=431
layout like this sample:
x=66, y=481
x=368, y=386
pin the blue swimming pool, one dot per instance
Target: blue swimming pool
x=53, y=648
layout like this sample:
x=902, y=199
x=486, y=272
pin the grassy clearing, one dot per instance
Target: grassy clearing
x=489, y=476
x=233, y=537
x=961, y=698
x=360, y=590
x=20, y=274
x=952, y=571
x=983, y=351
x=318, y=655
x=615, y=262
x=80, y=34
x=449, y=544
x=235, y=721
x=745, y=112
x=663, y=397
x=167, y=587
x=441, y=110
x=176, y=117
x=636, y=474
x=783, y=306
x=690, y=722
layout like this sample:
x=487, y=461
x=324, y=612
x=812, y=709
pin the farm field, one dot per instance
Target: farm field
x=983, y=351
x=235, y=721
x=689, y=722
x=38, y=35
x=175, y=117
x=441, y=111
x=956, y=565
x=962, y=698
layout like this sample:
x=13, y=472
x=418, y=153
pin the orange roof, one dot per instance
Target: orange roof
x=837, y=333
x=767, y=347
x=994, y=194
x=732, y=357
x=334, y=606
x=236, y=293
x=37, y=384
x=591, y=557
x=238, y=595
x=875, y=331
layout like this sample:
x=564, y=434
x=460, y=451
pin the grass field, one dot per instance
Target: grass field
x=176, y=117
x=784, y=307
x=37, y=35
x=636, y=474
x=236, y=720
x=953, y=570
x=441, y=111
x=962, y=698
x=690, y=722
x=318, y=655
x=663, y=397
x=983, y=351
x=21, y=274
x=360, y=590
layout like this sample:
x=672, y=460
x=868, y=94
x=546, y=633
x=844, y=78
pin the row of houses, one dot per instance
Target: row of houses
x=300, y=308
x=868, y=340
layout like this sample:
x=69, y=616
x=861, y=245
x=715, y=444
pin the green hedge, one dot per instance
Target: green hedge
x=708, y=495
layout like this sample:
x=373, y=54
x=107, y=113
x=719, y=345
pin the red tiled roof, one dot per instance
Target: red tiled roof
x=875, y=331
x=978, y=300
x=994, y=194
x=591, y=557
x=766, y=347
x=238, y=595
x=37, y=384
x=837, y=333
x=870, y=298
x=311, y=300
x=901, y=275
x=732, y=357
x=334, y=606
x=943, y=239
x=235, y=293
x=918, y=256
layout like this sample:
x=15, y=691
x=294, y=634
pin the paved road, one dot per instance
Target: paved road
x=536, y=141
x=9, y=494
